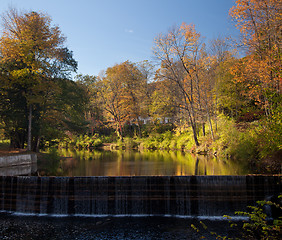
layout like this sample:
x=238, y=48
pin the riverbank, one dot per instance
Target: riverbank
x=5, y=150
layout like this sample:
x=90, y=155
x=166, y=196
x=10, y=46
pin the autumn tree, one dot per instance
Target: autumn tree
x=182, y=58
x=122, y=93
x=221, y=52
x=260, y=24
x=205, y=88
x=230, y=97
x=162, y=103
x=33, y=62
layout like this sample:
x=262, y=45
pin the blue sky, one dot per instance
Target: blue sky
x=102, y=33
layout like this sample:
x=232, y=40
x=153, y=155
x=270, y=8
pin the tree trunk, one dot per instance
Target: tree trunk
x=139, y=127
x=194, y=127
x=22, y=140
x=210, y=123
x=195, y=134
x=211, y=128
x=197, y=166
x=204, y=129
x=37, y=144
x=215, y=112
x=29, y=129
x=119, y=131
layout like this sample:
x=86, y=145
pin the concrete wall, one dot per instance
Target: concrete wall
x=16, y=160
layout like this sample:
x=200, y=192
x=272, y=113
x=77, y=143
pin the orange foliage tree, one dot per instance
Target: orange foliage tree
x=121, y=92
x=260, y=24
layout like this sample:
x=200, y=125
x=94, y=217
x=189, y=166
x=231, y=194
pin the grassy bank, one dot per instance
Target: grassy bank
x=258, y=143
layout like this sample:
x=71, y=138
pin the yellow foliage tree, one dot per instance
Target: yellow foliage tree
x=184, y=70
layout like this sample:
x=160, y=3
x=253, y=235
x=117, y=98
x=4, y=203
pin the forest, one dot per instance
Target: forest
x=219, y=97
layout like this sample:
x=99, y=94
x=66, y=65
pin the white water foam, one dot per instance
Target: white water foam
x=211, y=218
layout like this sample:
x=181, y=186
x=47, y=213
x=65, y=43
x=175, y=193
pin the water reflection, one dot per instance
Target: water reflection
x=20, y=170
x=133, y=163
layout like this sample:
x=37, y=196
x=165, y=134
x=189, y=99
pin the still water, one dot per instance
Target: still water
x=134, y=163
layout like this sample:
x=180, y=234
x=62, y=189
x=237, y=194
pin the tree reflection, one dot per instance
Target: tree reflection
x=136, y=163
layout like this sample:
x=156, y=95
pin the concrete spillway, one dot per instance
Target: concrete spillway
x=135, y=196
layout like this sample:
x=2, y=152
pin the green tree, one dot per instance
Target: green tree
x=33, y=61
x=162, y=103
x=94, y=112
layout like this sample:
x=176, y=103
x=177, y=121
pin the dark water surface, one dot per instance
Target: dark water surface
x=55, y=228
x=134, y=163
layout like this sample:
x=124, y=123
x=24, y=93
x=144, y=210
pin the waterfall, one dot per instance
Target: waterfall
x=133, y=196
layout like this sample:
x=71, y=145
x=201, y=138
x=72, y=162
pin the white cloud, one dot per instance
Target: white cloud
x=129, y=31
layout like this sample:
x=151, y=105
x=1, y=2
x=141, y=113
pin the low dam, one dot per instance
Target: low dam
x=136, y=195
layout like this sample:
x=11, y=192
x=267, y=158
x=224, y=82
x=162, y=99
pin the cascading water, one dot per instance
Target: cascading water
x=133, y=196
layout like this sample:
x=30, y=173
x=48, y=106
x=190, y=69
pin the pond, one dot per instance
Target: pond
x=135, y=163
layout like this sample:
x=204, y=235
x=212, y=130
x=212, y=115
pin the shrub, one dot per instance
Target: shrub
x=258, y=225
x=270, y=134
x=185, y=141
x=82, y=142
